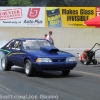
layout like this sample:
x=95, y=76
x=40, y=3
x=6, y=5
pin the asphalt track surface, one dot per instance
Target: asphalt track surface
x=83, y=83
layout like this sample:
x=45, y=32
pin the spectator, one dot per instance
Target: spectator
x=49, y=37
x=45, y=36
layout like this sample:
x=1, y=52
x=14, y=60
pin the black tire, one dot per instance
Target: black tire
x=94, y=61
x=65, y=72
x=5, y=64
x=28, y=68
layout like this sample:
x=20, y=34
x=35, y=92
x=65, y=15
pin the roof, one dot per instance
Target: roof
x=29, y=39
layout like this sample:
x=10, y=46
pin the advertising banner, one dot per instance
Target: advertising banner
x=97, y=11
x=46, y=16
x=53, y=17
x=22, y=17
x=75, y=16
x=68, y=16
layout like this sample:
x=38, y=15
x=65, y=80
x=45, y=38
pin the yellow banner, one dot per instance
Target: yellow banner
x=53, y=17
x=68, y=16
x=75, y=16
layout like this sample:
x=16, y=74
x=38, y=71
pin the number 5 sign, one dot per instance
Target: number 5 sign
x=33, y=13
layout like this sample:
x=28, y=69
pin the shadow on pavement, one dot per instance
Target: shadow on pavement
x=47, y=74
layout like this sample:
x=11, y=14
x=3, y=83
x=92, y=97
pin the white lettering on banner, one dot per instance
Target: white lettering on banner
x=10, y=14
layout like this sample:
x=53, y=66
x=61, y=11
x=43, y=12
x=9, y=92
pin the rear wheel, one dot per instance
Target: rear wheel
x=5, y=64
x=28, y=68
x=65, y=72
x=85, y=62
x=94, y=61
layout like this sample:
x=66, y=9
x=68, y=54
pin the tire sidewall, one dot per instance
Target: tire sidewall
x=94, y=61
x=5, y=67
x=30, y=67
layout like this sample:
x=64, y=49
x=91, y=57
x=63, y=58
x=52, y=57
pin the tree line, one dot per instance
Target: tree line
x=50, y=3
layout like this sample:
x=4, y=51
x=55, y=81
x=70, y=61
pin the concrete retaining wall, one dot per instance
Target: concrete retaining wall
x=63, y=37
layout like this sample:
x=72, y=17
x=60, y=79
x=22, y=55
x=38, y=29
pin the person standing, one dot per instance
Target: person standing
x=45, y=36
x=49, y=38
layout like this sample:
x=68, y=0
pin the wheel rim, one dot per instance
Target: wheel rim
x=3, y=63
x=85, y=62
x=27, y=68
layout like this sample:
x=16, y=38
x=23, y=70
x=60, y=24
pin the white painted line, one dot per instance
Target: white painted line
x=7, y=89
x=87, y=73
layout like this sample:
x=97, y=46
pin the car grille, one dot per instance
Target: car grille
x=58, y=60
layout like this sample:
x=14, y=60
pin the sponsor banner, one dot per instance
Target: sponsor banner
x=97, y=11
x=68, y=16
x=53, y=17
x=22, y=17
x=75, y=16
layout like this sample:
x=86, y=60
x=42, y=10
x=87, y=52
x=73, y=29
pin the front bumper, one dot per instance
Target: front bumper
x=59, y=66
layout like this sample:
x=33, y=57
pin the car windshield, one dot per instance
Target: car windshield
x=35, y=44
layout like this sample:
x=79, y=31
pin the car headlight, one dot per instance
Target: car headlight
x=70, y=59
x=43, y=60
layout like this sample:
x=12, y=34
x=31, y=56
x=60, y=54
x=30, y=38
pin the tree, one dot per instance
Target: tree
x=39, y=2
x=19, y=3
x=50, y=3
x=59, y=2
x=73, y=3
x=85, y=3
x=68, y=2
x=55, y=3
x=3, y=2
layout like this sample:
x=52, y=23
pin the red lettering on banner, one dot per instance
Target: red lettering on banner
x=98, y=9
x=10, y=14
x=33, y=12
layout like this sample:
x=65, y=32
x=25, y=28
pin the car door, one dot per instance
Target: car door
x=16, y=55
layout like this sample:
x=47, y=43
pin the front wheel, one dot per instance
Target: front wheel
x=65, y=72
x=28, y=68
x=5, y=64
x=85, y=62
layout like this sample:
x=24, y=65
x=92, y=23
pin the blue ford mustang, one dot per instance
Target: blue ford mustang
x=36, y=55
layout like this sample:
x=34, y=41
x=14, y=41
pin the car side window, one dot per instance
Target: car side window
x=10, y=44
x=30, y=45
x=17, y=45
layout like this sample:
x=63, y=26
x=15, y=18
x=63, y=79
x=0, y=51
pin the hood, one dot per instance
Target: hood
x=49, y=49
x=49, y=52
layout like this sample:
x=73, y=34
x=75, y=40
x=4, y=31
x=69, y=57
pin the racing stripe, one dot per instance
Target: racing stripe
x=7, y=51
x=15, y=53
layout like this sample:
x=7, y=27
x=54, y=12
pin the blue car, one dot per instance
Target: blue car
x=36, y=55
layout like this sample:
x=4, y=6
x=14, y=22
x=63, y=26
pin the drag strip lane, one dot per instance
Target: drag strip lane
x=81, y=84
x=86, y=73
